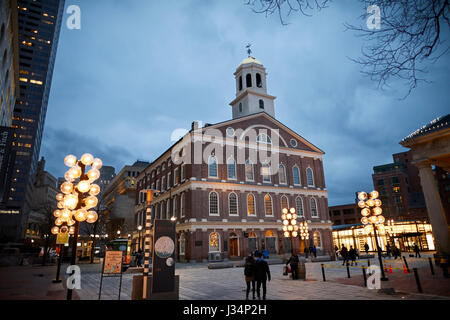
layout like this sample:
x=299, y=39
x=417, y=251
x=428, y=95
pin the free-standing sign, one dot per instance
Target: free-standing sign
x=163, y=261
x=112, y=267
x=62, y=238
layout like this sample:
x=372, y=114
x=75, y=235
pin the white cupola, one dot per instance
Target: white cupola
x=251, y=90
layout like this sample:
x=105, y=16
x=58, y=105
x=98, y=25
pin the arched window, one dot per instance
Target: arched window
x=240, y=107
x=261, y=104
x=269, y=234
x=214, y=242
x=299, y=206
x=163, y=183
x=268, y=205
x=240, y=83
x=265, y=172
x=314, y=212
x=231, y=168
x=263, y=138
x=182, y=206
x=284, y=203
x=212, y=167
x=249, y=175
x=258, y=80
x=282, y=174
x=183, y=172
x=310, y=177
x=168, y=209
x=233, y=205
x=182, y=244
x=296, y=174
x=248, y=79
x=251, y=205
x=213, y=203
x=317, y=239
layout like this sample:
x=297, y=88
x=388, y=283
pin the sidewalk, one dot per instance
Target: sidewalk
x=32, y=283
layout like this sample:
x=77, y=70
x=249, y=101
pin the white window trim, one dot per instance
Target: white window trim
x=254, y=205
x=312, y=177
x=217, y=168
x=182, y=205
x=270, y=176
x=253, y=171
x=320, y=239
x=218, y=205
x=317, y=208
x=175, y=176
x=235, y=170
x=237, y=205
x=299, y=176
x=287, y=200
x=303, y=207
x=271, y=206
x=285, y=175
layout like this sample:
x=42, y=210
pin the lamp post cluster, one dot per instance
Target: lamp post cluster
x=372, y=214
x=303, y=230
x=77, y=199
x=290, y=227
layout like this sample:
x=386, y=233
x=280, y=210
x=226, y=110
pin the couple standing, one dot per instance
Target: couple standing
x=256, y=271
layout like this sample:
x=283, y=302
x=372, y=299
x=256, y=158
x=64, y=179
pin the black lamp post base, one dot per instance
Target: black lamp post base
x=57, y=281
x=384, y=279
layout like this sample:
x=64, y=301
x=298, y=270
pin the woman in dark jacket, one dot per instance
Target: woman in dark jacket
x=249, y=273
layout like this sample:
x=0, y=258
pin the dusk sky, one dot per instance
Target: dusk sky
x=138, y=69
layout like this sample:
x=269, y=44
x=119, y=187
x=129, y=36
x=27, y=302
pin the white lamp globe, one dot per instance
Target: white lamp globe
x=365, y=212
x=67, y=187
x=284, y=228
x=83, y=186
x=295, y=234
x=94, y=190
x=80, y=215
x=97, y=164
x=90, y=202
x=92, y=217
x=285, y=210
x=292, y=210
x=70, y=222
x=70, y=201
x=75, y=171
x=59, y=222
x=374, y=194
x=57, y=213
x=55, y=230
x=68, y=176
x=362, y=204
x=93, y=174
x=59, y=197
x=362, y=196
x=377, y=211
x=285, y=222
x=72, y=230
x=286, y=234
x=87, y=159
x=60, y=205
x=70, y=160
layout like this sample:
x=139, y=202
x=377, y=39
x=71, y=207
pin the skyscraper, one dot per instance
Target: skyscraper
x=39, y=27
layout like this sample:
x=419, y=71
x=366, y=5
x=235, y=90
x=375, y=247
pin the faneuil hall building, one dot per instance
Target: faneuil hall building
x=225, y=184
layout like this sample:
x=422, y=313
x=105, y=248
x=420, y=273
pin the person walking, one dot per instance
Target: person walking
x=417, y=250
x=249, y=273
x=262, y=274
x=293, y=261
x=344, y=254
x=366, y=248
x=396, y=252
x=306, y=252
x=352, y=255
x=315, y=251
x=388, y=250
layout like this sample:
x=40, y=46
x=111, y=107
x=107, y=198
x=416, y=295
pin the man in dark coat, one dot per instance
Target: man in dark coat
x=416, y=250
x=352, y=255
x=293, y=261
x=366, y=248
x=262, y=274
x=344, y=254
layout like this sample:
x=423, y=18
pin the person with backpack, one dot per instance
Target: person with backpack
x=262, y=274
x=344, y=254
x=249, y=273
x=352, y=255
x=293, y=261
x=315, y=251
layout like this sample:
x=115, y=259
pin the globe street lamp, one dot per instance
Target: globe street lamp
x=290, y=227
x=372, y=214
x=303, y=232
x=77, y=199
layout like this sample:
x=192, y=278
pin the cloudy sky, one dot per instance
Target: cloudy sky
x=139, y=69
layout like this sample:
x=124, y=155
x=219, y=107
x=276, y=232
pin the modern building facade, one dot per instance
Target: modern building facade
x=225, y=184
x=118, y=199
x=39, y=26
x=345, y=214
x=400, y=191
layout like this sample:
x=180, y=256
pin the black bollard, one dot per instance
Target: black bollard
x=368, y=262
x=406, y=264
x=431, y=266
x=323, y=272
x=364, y=275
x=348, y=270
x=416, y=275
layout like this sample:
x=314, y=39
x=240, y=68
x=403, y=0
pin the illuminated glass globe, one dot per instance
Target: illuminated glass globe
x=75, y=171
x=374, y=194
x=293, y=222
x=70, y=222
x=294, y=234
x=285, y=222
x=286, y=234
x=362, y=196
x=67, y=187
x=60, y=205
x=87, y=159
x=365, y=212
x=83, y=186
x=59, y=222
x=365, y=220
x=59, y=197
x=57, y=213
x=69, y=177
x=55, y=230
x=289, y=216
x=92, y=217
x=381, y=219
x=362, y=204
x=377, y=211
x=65, y=215
x=72, y=230
x=90, y=202
x=97, y=163
x=292, y=210
x=93, y=174
x=70, y=201
x=64, y=229
x=284, y=228
x=378, y=203
x=370, y=203
x=80, y=215
x=295, y=228
x=294, y=216
x=290, y=228
x=285, y=211
x=373, y=219
x=94, y=190
x=70, y=160
x=283, y=217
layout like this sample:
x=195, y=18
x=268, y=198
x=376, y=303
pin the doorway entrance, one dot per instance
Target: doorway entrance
x=234, y=245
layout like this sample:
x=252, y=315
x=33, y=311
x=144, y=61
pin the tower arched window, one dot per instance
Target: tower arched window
x=248, y=80
x=299, y=206
x=213, y=204
x=284, y=203
x=258, y=80
x=212, y=167
x=261, y=104
x=296, y=174
x=240, y=83
x=232, y=204
x=310, y=177
x=268, y=205
x=314, y=212
x=282, y=174
x=251, y=205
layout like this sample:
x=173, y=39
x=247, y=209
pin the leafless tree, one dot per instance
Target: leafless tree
x=411, y=35
x=46, y=224
x=285, y=8
x=97, y=228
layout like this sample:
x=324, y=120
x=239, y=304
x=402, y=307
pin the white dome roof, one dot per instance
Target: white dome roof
x=250, y=59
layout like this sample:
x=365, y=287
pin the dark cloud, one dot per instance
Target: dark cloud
x=137, y=70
